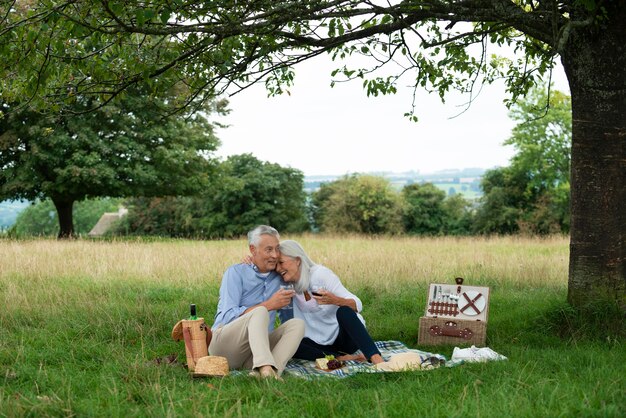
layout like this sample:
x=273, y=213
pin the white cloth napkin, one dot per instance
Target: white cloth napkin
x=476, y=354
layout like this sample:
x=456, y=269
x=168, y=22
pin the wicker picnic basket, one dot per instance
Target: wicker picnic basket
x=455, y=315
x=197, y=337
x=443, y=331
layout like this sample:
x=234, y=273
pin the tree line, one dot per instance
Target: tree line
x=529, y=196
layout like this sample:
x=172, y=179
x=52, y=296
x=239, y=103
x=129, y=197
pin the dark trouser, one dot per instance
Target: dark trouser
x=352, y=336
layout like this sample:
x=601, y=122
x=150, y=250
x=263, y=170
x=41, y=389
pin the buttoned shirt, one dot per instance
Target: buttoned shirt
x=243, y=286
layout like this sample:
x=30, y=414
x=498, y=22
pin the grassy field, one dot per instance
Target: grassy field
x=82, y=323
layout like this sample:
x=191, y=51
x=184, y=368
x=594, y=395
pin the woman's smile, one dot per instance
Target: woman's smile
x=289, y=268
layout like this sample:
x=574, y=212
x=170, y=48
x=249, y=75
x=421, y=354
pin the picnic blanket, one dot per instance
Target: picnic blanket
x=306, y=369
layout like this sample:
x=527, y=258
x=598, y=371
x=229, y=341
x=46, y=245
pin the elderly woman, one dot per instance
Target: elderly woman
x=330, y=312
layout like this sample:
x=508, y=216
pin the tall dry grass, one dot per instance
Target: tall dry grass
x=379, y=262
x=390, y=262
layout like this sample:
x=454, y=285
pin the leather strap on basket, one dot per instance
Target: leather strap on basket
x=187, y=338
x=450, y=329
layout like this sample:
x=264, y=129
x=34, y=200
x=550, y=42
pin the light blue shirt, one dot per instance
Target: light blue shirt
x=244, y=286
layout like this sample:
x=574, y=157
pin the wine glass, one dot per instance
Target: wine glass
x=289, y=287
x=315, y=289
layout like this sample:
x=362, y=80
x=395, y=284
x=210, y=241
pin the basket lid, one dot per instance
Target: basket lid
x=211, y=366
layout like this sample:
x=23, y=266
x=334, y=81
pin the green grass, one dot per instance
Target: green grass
x=79, y=338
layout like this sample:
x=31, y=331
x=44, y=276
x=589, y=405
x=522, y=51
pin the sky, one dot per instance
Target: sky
x=324, y=130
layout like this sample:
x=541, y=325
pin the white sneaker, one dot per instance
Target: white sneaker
x=463, y=353
x=475, y=354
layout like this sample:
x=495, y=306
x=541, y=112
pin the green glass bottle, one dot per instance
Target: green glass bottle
x=192, y=312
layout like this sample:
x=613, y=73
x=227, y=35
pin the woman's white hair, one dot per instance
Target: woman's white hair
x=254, y=236
x=294, y=250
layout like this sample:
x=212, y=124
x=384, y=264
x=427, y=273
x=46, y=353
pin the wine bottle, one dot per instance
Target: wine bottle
x=192, y=311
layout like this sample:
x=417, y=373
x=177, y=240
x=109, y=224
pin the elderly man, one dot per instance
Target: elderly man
x=250, y=295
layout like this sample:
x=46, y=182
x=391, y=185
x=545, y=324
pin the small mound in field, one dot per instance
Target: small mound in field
x=170, y=360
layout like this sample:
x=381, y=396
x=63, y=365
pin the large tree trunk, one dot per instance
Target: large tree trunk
x=66, y=221
x=595, y=64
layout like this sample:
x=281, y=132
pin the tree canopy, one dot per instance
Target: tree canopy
x=247, y=192
x=243, y=193
x=55, y=50
x=368, y=204
x=358, y=203
x=532, y=194
x=424, y=213
x=125, y=148
x=215, y=46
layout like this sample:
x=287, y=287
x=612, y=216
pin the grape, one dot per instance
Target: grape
x=333, y=364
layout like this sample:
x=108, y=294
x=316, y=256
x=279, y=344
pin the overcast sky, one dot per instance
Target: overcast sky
x=323, y=130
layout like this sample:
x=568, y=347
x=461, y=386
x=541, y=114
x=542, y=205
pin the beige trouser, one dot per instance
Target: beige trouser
x=246, y=343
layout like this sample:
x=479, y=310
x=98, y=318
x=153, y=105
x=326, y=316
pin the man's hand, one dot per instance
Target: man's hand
x=279, y=299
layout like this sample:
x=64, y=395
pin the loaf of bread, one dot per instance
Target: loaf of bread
x=321, y=363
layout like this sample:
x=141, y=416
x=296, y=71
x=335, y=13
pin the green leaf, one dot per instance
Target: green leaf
x=165, y=16
x=149, y=14
x=116, y=8
x=140, y=17
x=331, y=28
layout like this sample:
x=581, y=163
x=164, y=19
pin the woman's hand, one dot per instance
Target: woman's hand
x=329, y=298
x=326, y=298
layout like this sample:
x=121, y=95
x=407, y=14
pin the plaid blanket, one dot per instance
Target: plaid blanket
x=306, y=369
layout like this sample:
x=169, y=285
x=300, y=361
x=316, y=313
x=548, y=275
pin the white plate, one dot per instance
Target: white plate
x=478, y=303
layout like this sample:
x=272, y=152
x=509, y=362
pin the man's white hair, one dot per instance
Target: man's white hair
x=294, y=250
x=254, y=236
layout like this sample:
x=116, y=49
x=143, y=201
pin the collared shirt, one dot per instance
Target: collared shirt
x=320, y=321
x=244, y=286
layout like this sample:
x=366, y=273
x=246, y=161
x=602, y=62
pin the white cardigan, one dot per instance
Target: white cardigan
x=320, y=320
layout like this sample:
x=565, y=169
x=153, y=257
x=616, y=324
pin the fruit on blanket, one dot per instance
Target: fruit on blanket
x=333, y=364
x=328, y=363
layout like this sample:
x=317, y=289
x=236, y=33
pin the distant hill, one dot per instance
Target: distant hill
x=9, y=209
x=452, y=181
